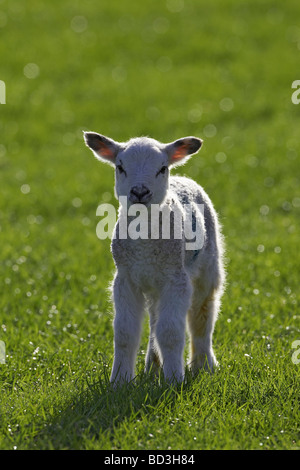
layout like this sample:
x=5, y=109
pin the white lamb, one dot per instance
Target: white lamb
x=175, y=284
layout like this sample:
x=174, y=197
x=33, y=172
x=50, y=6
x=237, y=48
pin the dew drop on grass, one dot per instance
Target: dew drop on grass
x=226, y=104
x=76, y=202
x=264, y=209
x=31, y=70
x=79, y=24
x=25, y=189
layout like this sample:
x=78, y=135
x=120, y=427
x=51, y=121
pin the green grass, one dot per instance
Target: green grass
x=137, y=68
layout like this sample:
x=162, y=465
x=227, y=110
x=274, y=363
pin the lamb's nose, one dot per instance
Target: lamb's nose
x=139, y=194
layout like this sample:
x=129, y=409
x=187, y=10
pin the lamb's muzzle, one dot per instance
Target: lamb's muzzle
x=140, y=194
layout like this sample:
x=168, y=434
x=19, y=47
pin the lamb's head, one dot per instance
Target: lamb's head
x=142, y=164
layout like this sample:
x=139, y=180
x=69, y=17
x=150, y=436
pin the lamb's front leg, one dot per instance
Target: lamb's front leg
x=170, y=329
x=129, y=305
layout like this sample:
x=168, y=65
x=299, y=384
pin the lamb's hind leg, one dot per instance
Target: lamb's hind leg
x=174, y=303
x=153, y=363
x=201, y=321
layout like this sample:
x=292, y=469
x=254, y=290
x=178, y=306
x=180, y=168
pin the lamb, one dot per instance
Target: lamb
x=178, y=286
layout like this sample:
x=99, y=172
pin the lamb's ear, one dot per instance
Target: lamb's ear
x=181, y=149
x=104, y=149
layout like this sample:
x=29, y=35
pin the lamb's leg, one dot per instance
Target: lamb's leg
x=170, y=330
x=152, y=358
x=129, y=305
x=201, y=322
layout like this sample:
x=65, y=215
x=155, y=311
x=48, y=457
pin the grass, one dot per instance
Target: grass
x=161, y=69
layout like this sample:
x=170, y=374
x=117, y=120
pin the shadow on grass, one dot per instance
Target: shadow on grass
x=98, y=410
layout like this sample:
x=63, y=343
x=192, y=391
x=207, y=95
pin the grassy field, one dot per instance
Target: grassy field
x=220, y=70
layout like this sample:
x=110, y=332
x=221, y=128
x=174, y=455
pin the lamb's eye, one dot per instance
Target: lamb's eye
x=162, y=171
x=121, y=169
